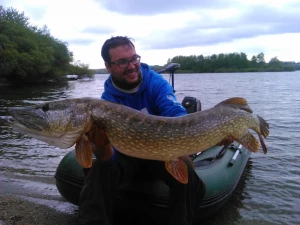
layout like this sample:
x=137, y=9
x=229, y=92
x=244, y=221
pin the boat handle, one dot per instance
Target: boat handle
x=237, y=152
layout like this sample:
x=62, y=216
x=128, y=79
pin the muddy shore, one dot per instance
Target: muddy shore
x=17, y=211
x=30, y=200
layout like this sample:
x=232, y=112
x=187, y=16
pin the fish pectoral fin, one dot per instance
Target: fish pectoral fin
x=84, y=152
x=178, y=169
x=249, y=142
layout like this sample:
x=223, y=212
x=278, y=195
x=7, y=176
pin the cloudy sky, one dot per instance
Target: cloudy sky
x=163, y=29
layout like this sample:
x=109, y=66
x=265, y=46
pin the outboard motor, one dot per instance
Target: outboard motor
x=191, y=104
x=171, y=68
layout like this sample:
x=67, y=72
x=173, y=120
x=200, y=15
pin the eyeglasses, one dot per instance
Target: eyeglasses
x=123, y=63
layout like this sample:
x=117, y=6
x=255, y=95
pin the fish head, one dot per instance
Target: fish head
x=58, y=123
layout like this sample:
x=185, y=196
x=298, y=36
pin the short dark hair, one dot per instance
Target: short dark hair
x=112, y=43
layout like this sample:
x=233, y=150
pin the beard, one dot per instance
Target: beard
x=123, y=84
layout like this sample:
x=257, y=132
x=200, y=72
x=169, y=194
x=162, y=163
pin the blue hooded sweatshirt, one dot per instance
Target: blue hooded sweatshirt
x=155, y=95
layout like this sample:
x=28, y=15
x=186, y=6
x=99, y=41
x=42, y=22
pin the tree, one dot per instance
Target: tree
x=253, y=61
x=12, y=16
x=28, y=53
x=244, y=63
x=261, y=58
x=274, y=61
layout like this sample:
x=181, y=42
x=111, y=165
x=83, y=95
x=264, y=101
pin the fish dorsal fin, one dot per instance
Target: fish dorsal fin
x=236, y=102
x=178, y=169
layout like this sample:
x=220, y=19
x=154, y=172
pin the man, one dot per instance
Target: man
x=134, y=84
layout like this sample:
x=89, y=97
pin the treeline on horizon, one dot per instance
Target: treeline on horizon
x=224, y=63
x=29, y=54
x=231, y=62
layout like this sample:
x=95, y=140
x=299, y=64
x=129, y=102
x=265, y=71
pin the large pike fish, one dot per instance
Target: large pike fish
x=64, y=123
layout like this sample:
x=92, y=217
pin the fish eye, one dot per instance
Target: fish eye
x=45, y=107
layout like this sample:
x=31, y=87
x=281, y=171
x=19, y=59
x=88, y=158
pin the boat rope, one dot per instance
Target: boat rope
x=208, y=160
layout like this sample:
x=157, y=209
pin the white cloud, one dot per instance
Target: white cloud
x=164, y=29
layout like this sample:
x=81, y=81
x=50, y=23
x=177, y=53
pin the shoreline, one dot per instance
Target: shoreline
x=14, y=210
x=33, y=200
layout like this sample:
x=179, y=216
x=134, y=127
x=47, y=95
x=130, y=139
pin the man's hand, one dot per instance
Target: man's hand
x=97, y=136
x=101, y=146
x=188, y=161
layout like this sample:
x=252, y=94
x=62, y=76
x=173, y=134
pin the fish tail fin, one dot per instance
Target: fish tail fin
x=237, y=102
x=178, y=169
x=263, y=145
x=84, y=152
x=263, y=126
x=263, y=130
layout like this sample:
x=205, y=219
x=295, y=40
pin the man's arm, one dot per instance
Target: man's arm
x=165, y=99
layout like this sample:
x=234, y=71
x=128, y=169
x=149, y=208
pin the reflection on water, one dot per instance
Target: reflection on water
x=269, y=190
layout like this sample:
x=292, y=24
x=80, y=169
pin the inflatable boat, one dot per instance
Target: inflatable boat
x=220, y=167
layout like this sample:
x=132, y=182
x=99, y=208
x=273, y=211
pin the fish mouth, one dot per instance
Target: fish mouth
x=60, y=140
x=20, y=127
x=30, y=117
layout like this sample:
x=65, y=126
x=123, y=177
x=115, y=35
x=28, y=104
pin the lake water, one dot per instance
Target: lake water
x=269, y=191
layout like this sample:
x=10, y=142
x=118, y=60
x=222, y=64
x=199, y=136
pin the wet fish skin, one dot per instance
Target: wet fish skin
x=63, y=123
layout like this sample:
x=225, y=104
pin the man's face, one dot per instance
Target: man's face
x=129, y=74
